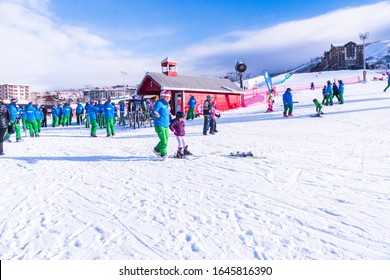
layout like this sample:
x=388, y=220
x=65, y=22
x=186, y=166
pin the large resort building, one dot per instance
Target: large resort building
x=348, y=56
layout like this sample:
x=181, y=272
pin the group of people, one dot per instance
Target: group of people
x=329, y=92
x=163, y=122
x=11, y=117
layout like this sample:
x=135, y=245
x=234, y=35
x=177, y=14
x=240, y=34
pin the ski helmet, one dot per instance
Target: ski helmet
x=315, y=100
x=179, y=114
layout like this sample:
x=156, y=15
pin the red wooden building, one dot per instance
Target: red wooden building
x=227, y=94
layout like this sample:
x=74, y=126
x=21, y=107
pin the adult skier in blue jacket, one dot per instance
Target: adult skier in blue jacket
x=31, y=120
x=287, y=103
x=79, y=113
x=93, y=111
x=15, y=121
x=162, y=119
x=191, y=104
x=55, y=116
x=109, y=115
x=329, y=90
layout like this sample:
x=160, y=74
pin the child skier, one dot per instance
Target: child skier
x=270, y=102
x=324, y=94
x=318, y=107
x=177, y=126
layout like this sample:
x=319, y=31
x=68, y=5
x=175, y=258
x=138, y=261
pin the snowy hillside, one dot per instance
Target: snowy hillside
x=317, y=188
x=378, y=54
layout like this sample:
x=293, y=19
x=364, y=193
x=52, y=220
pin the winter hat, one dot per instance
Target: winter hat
x=166, y=93
x=288, y=89
x=315, y=100
x=208, y=97
x=179, y=114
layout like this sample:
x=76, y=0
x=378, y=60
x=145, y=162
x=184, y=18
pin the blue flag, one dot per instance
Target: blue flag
x=267, y=79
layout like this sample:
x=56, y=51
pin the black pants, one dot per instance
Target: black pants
x=213, y=125
x=2, y=134
x=44, y=122
x=206, y=123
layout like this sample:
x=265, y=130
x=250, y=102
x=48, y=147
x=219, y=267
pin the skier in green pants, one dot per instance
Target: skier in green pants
x=92, y=112
x=15, y=121
x=162, y=119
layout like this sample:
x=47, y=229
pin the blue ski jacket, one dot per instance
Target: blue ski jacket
x=192, y=102
x=54, y=112
x=79, y=109
x=13, y=110
x=30, y=110
x=67, y=111
x=93, y=111
x=109, y=111
x=287, y=98
x=165, y=118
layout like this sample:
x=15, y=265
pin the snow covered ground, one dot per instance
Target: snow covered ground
x=317, y=188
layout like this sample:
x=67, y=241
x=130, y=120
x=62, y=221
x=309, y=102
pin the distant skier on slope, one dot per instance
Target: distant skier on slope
x=318, y=107
x=287, y=103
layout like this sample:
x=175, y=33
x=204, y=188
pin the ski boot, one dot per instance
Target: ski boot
x=186, y=151
x=157, y=152
x=179, y=153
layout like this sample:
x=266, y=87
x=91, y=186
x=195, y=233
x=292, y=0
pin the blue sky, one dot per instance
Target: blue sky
x=56, y=44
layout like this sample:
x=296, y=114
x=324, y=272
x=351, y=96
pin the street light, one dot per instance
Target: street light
x=364, y=37
x=124, y=74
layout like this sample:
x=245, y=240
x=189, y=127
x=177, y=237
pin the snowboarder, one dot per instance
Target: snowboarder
x=318, y=107
x=177, y=126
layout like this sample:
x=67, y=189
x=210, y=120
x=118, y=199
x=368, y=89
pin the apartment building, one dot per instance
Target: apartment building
x=20, y=92
x=348, y=56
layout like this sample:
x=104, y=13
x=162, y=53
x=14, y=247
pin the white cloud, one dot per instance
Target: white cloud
x=39, y=50
x=292, y=42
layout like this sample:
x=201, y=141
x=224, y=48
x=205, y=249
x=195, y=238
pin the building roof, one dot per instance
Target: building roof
x=195, y=83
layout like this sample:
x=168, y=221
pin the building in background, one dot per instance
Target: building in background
x=20, y=92
x=227, y=94
x=348, y=56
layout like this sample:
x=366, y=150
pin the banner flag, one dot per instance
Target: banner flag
x=267, y=79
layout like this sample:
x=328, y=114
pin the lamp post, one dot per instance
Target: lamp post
x=364, y=37
x=124, y=74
